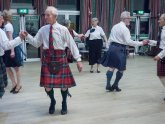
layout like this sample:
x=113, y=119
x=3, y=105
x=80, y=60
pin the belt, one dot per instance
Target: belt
x=118, y=44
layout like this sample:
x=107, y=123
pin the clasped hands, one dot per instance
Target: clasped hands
x=23, y=34
x=145, y=42
x=156, y=58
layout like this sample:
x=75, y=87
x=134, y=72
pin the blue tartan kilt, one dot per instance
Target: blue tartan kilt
x=61, y=79
x=3, y=77
x=115, y=57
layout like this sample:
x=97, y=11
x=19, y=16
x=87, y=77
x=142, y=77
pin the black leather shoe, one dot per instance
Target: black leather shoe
x=164, y=99
x=116, y=88
x=109, y=88
x=52, y=107
x=64, y=108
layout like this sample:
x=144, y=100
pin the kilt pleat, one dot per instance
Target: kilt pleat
x=115, y=57
x=61, y=79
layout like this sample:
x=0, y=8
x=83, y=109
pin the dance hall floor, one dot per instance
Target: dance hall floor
x=140, y=102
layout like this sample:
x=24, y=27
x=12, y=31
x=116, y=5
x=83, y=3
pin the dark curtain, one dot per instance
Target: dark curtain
x=40, y=5
x=51, y=2
x=5, y=4
x=1, y=5
x=85, y=15
x=157, y=7
x=119, y=7
x=108, y=12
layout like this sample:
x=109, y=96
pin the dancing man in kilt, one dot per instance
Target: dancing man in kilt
x=55, y=71
x=115, y=58
x=160, y=58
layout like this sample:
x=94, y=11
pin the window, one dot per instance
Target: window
x=68, y=4
x=75, y=22
x=22, y=4
x=144, y=28
x=21, y=1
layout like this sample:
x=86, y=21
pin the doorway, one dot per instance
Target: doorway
x=31, y=25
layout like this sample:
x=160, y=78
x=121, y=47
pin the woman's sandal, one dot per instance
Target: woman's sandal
x=17, y=89
x=91, y=71
x=98, y=71
x=13, y=89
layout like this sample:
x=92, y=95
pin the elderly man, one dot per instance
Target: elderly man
x=161, y=56
x=116, y=55
x=5, y=44
x=55, y=71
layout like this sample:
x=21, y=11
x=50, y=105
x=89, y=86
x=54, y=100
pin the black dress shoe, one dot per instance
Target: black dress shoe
x=109, y=88
x=64, y=110
x=52, y=107
x=164, y=99
x=116, y=88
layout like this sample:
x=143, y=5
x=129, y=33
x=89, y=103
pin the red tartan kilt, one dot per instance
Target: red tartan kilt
x=160, y=69
x=61, y=79
x=69, y=55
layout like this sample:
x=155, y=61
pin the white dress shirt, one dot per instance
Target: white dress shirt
x=75, y=35
x=97, y=34
x=61, y=37
x=121, y=34
x=5, y=44
x=162, y=43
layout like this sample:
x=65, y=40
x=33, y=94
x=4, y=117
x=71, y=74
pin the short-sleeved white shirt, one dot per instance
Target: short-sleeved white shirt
x=9, y=27
x=97, y=34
